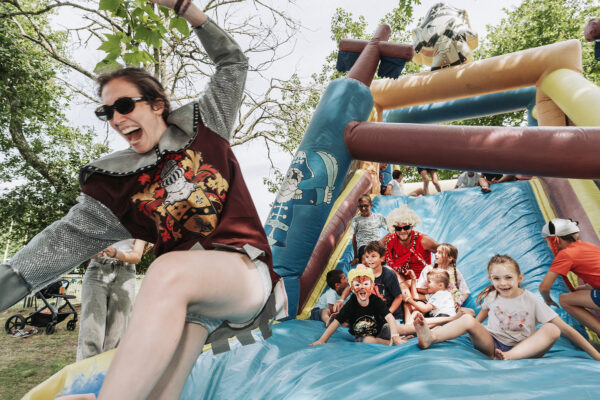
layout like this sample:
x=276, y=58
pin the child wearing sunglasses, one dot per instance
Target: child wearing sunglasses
x=179, y=186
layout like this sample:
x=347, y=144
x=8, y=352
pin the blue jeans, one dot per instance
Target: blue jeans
x=106, y=300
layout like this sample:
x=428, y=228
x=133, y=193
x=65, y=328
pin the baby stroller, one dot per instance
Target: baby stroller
x=48, y=315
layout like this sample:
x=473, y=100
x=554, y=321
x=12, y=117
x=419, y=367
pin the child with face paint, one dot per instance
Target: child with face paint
x=369, y=319
x=513, y=315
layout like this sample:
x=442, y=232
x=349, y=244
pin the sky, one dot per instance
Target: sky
x=312, y=45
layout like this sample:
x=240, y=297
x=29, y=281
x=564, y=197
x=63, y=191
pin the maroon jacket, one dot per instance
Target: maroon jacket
x=194, y=195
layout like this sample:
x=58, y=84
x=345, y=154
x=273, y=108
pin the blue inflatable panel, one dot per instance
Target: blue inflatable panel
x=471, y=107
x=313, y=182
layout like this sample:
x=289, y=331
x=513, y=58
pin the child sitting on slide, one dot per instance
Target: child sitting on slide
x=337, y=282
x=386, y=282
x=445, y=259
x=439, y=301
x=369, y=319
x=513, y=314
x=581, y=258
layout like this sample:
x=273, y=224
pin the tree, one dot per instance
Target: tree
x=136, y=33
x=537, y=23
x=39, y=155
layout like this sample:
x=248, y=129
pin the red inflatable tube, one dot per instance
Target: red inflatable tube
x=568, y=152
x=329, y=239
x=386, y=49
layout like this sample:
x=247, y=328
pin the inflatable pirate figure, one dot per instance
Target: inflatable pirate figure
x=308, y=182
x=444, y=38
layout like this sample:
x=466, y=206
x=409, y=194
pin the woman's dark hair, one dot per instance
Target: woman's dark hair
x=150, y=88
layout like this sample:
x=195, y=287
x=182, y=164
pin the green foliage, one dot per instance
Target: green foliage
x=537, y=23
x=141, y=33
x=39, y=155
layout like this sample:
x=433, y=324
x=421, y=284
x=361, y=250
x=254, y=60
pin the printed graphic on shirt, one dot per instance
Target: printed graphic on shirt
x=365, y=326
x=183, y=195
x=511, y=321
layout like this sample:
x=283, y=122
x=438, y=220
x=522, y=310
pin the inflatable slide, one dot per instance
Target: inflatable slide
x=506, y=221
x=307, y=225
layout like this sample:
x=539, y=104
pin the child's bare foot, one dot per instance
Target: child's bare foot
x=499, y=355
x=423, y=332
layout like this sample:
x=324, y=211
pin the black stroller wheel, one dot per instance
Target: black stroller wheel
x=71, y=325
x=50, y=328
x=15, y=322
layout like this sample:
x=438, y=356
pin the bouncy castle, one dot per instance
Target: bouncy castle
x=395, y=120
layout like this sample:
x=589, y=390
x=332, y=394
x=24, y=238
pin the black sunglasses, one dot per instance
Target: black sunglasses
x=123, y=105
x=403, y=228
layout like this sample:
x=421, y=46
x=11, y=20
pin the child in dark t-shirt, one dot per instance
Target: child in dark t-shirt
x=368, y=318
x=387, y=286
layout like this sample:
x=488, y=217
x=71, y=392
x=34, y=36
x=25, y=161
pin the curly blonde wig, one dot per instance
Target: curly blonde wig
x=402, y=215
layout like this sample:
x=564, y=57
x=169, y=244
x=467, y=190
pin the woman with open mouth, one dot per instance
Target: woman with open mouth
x=180, y=187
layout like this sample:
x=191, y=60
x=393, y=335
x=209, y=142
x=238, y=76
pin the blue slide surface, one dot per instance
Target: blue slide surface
x=506, y=221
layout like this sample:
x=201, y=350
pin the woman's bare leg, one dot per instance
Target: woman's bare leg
x=575, y=303
x=425, y=178
x=190, y=346
x=436, y=181
x=535, y=345
x=481, y=338
x=224, y=285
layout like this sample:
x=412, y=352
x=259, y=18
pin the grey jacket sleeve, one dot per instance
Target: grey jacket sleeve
x=221, y=101
x=88, y=228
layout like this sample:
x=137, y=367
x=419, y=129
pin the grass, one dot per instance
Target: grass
x=26, y=362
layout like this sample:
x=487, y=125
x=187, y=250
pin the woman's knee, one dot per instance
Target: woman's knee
x=163, y=275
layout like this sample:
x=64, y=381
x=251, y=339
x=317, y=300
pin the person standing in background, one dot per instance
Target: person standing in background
x=107, y=297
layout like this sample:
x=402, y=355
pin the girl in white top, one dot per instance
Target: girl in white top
x=445, y=259
x=513, y=314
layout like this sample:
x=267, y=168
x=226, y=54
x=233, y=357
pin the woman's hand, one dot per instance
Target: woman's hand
x=110, y=252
